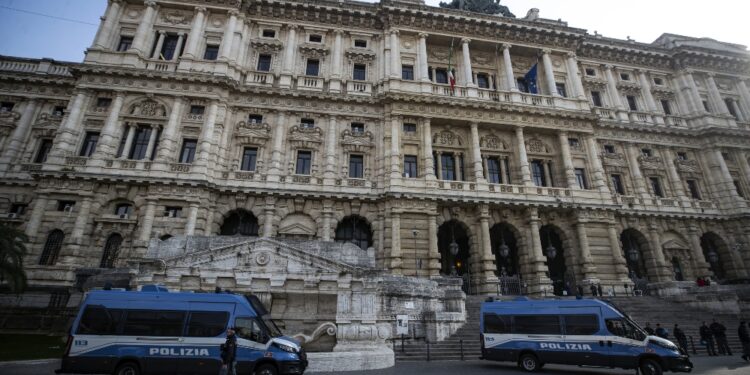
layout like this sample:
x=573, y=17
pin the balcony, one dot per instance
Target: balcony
x=43, y=66
x=642, y=117
x=310, y=83
x=359, y=88
x=162, y=66
x=259, y=79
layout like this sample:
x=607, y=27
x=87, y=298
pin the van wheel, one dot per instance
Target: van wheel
x=265, y=370
x=529, y=363
x=127, y=368
x=650, y=367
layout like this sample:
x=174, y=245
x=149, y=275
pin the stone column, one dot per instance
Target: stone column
x=424, y=74
x=168, y=143
x=699, y=108
x=329, y=175
x=537, y=265
x=395, y=55
x=432, y=232
x=386, y=62
x=510, y=78
x=427, y=158
x=547, y=173
x=269, y=211
x=239, y=28
x=225, y=49
x=570, y=174
x=79, y=228
x=396, y=261
x=159, y=44
x=723, y=179
x=151, y=142
x=192, y=219
x=37, y=213
x=476, y=154
x=714, y=95
x=336, y=70
x=646, y=90
x=635, y=169
x=108, y=25
x=279, y=132
x=16, y=141
x=549, y=73
x=207, y=135
x=596, y=164
x=744, y=165
x=621, y=264
x=740, y=116
x=614, y=94
x=144, y=28
x=287, y=67
x=467, y=62
x=674, y=176
x=395, y=148
x=488, y=267
x=503, y=171
x=655, y=244
x=244, y=44
x=69, y=128
x=107, y=145
x=683, y=93
x=523, y=159
x=700, y=265
x=745, y=95
x=132, y=128
x=148, y=220
x=575, y=76
x=457, y=164
x=196, y=33
x=327, y=216
x=178, y=49
x=589, y=269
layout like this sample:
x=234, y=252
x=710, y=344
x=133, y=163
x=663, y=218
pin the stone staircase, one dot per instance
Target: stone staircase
x=641, y=309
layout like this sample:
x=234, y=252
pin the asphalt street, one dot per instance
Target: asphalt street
x=703, y=365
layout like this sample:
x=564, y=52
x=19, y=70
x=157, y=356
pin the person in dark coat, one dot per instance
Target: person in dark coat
x=707, y=339
x=744, y=334
x=593, y=290
x=648, y=329
x=679, y=334
x=229, y=354
x=661, y=332
x=720, y=334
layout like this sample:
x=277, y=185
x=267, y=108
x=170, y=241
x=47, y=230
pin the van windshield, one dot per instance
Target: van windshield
x=625, y=328
x=272, y=328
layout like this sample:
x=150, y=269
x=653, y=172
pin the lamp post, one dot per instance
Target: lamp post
x=633, y=255
x=417, y=262
x=550, y=251
x=453, y=247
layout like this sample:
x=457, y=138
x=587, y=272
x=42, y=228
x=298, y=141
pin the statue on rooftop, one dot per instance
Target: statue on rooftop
x=479, y=6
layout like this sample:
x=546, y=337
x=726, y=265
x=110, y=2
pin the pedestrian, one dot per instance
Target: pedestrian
x=707, y=280
x=679, y=334
x=599, y=290
x=707, y=339
x=593, y=290
x=649, y=330
x=228, y=354
x=662, y=332
x=700, y=282
x=720, y=334
x=744, y=334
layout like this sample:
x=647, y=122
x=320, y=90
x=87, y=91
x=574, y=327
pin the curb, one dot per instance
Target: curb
x=29, y=362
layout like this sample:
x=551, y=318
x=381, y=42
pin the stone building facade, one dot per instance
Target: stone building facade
x=335, y=121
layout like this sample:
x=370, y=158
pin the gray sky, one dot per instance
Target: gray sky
x=33, y=35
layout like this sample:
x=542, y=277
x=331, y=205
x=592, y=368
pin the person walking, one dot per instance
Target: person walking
x=648, y=329
x=661, y=332
x=720, y=334
x=228, y=354
x=744, y=334
x=707, y=339
x=679, y=334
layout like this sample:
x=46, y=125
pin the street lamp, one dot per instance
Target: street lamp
x=503, y=249
x=417, y=262
x=453, y=247
x=632, y=251
x=550, y=251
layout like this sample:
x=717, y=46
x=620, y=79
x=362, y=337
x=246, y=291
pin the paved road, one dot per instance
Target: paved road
x=703, y=365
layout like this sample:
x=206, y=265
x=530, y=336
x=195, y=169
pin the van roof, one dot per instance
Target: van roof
x=523, y=305
x=161, y=294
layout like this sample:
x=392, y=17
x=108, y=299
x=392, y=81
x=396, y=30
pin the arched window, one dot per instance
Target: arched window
x=240, y=223
x=52, y=248
x=123, y=209
x=356, y=230
x=111, y=250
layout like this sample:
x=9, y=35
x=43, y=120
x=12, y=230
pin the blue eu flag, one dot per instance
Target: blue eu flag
x=530, y=80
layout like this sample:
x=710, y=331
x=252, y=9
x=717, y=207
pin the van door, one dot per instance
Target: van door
x=585, y=340
x=251, y=342
x=154, y=336
x=205, y=332
x=627, y=343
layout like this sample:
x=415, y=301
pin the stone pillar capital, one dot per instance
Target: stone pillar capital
x=161, y=32
x=233, y=13
x=393, y=32
x=506, y=46
x=338, y=32
x=711, y=74
x=423, y=35
x=292, y=27
x=571, y=55
x=199, y=9
x=465, y=40
x=546, y=51
x=150, y=3
x=608, y=66
x=562, y=133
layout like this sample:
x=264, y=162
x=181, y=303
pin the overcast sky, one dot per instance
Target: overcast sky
x=51, y=33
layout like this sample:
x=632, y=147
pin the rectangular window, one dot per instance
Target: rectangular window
x=304, y=162
x=123, y=209
x=207, y=324
x=706, y=107
x=125, y=43
x=407, y=72
x=483, y=81
x=6, y=106
x=493, y=171
x=212, y=52
x=89, y=144
x=307, y=123
x=357, y=127
x=249, y=158
x=18, y=209
x=656, y=186
x=537, y=325
x=153, y=323
x=197, y=109
x=590, y=72
x=631, y=103
x=315, y=38
x=410, y=128
x=103, y=102
x=537, y=173
x=497, y=324
x=658, y=81
x=596, y=99
x=617, y=184
x=730, y=106
x=410, y=166
x=574, y=142
x=646, y=152
x=264, y=63
x=312, y=68
x=561, y=90
x=65, y=206
x=609, y=149
x=44, y=148
x=356, y=166
x=448, y=167
x=360, y=72
x=360, y=43
x=625, y=76
x=682, y=156
x=169, y=47
x=268, y=33
x=666, y=107
x=581, y=325
x=581, y=178
x=140, y=143
x=254, y=118
x=172, y=211
x=58, y=110
x=187, y=154
x=97, y=320
x=739, y=189
x=441, y=75
x=693, y=187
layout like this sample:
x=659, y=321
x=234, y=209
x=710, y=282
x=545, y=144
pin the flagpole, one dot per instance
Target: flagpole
x=451, y=78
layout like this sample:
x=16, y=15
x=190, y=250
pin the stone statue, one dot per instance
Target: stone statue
x=479, y=6
x=532, y=15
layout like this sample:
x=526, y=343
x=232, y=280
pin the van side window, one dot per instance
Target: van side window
x=537, y=324
x=581, y=324
x=97, y=320
x=494, y=323
x=623, y=328
x=207, y=324
x=153, y=323
x=248, y=328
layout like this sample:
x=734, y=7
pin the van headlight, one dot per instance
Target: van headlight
x=286, y=348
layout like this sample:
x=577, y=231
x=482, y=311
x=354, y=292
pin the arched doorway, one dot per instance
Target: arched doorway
x=715, y=252
x=677, y=270
x=354, y=229
x=505, y=247
x=52, y=248
x=111, y=250
x=552, y=248
x=240, y=223
x=453, y=237
x=634, y=243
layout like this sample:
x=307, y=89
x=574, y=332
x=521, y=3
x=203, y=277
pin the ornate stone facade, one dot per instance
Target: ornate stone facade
x=334, y=121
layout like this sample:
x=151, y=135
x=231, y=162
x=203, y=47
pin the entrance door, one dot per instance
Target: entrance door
x=627, y=343
x=585, y=339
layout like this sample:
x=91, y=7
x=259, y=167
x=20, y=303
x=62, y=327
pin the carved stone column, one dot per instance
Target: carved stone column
x=329, y=174
x=714, y=96
x=144, y=29
x=20, y=132
x=589, y=269
x=148, y=220
x=660, y=267
x=69, y=129
x=476, y=154
x=269, y=212
x=649, y=98
x=700, y=265
x=424, y=74
x=395, y=55
x=570, y=174
x=459, y=176
x=699, y=108
x=107, y=146
x=168, y=143
x=538, y=279
x=225, y=49
x=196, y=33
x=745, y=95
x=467, y=76
x=192, y=219
x=575, y=76
x=79, y=228
x=35, y=220
x=427, y=158
x=488, y=280
x=159, y=44
x=178, y=48
x=279, y=133
x=523, y=159
x=674, y=176
x=336, y=70
x=510, y=78
x=396, y=262
x=596, y=164
x=287, y=67
x=618, y=259
x=635, y=170
x=132, y=128
x=207, y=134
x=549, y=73
x=108, y=25
x=327, y=216
x=151, y=142
x=396, y=124
x=434, y=262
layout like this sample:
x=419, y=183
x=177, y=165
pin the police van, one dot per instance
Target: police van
x=154, y=331
x=584, y=332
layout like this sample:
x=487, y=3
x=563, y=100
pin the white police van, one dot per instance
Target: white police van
x=583, y=332
x=154, y=331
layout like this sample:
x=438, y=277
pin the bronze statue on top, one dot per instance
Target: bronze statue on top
x=479, y=6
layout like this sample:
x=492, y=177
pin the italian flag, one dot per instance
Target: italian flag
x=451, y=77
